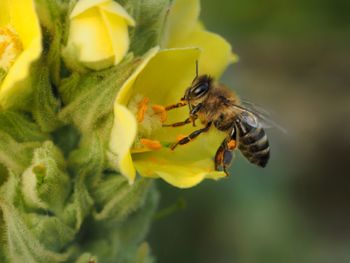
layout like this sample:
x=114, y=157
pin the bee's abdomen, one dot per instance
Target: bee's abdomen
x=254, y=145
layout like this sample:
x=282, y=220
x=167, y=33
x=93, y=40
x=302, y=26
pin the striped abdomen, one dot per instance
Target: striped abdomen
x=253, y=142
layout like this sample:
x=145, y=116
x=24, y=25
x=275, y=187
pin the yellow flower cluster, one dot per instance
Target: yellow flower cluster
x=98, y=38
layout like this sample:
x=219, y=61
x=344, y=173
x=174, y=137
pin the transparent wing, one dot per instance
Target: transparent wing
x=262, y=115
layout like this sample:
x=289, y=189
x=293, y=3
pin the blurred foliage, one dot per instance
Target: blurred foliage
x=277, y=17
x=294, y=59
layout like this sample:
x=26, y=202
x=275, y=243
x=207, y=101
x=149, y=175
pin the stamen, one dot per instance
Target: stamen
x=10, y=47
x=151, y=144
x=160, y=110
x=142, y=108
x=232, y=145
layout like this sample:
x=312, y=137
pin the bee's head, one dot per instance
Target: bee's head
x=198, y=90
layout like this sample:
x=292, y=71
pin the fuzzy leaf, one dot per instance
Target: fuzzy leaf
x=22, y=243
x=45, y=183
x=20, y=127
x=13, y=155
x=51, y=13
x=116, y=199
x=45, y=105
x=79, y=205
x=150, y=17
x=117, y=242
x=89, y=98
x=88, y=159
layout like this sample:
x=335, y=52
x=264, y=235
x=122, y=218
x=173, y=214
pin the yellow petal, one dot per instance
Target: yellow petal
x=183, y=175
x=126, y=90
x=83, y=5
x=22, y=16
x=188, y=164
x=216, y=51
x=167, y=75
x=116, y=9
x=118, y=33
x=181, y=21
x=124, y=125
x=16, y=84
x=122, y=137
x=89, y=36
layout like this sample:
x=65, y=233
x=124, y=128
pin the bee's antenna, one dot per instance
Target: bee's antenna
x=196, y=72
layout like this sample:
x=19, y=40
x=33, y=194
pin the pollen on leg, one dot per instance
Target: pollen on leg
x=151, y=144
x=231, y=145
x=180, y=137
x=160, y=111
x=142, y=109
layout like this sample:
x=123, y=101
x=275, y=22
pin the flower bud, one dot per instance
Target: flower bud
x=98, y=34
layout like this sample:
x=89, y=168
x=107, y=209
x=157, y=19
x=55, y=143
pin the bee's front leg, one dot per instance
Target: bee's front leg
x=175, y=106
x=193, y=113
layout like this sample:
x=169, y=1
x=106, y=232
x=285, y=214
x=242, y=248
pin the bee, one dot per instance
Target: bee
x=215, y=105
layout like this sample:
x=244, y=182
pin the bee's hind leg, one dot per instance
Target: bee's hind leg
x=224, y=156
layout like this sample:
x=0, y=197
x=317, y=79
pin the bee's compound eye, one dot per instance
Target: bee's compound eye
x=200, y=90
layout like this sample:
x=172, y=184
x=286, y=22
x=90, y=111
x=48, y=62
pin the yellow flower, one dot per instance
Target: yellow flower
x=20, y=45
x=184, y=30
x=98, y=33
x=138, y=138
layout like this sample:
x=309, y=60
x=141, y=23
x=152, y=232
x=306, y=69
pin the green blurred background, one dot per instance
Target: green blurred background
x=295, y=61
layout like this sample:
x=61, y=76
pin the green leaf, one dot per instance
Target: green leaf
x=50, y=230
x=88, y=159
x=89, y=98
x=79, y=205
x=21, y=127
x=45, y=184
x=115, y=199
x=16, y=156
x=22, y=243
x=45, y=105
x=51, y=13
x=110, y=241
x=150, y=17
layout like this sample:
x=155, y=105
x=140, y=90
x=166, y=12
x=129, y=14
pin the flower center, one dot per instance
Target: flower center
x=10, y=48
x=149, y=118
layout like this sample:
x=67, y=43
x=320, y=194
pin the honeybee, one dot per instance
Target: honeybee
x=216, y=105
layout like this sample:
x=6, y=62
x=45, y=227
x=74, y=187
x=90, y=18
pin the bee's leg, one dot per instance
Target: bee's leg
x=177, y=105
x=181, y=123
x=191, y=136
x=219, y=156
x=224, y=155
x=193, y=113
x=228, y=156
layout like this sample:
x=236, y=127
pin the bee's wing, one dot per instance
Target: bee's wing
x=262, y=115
